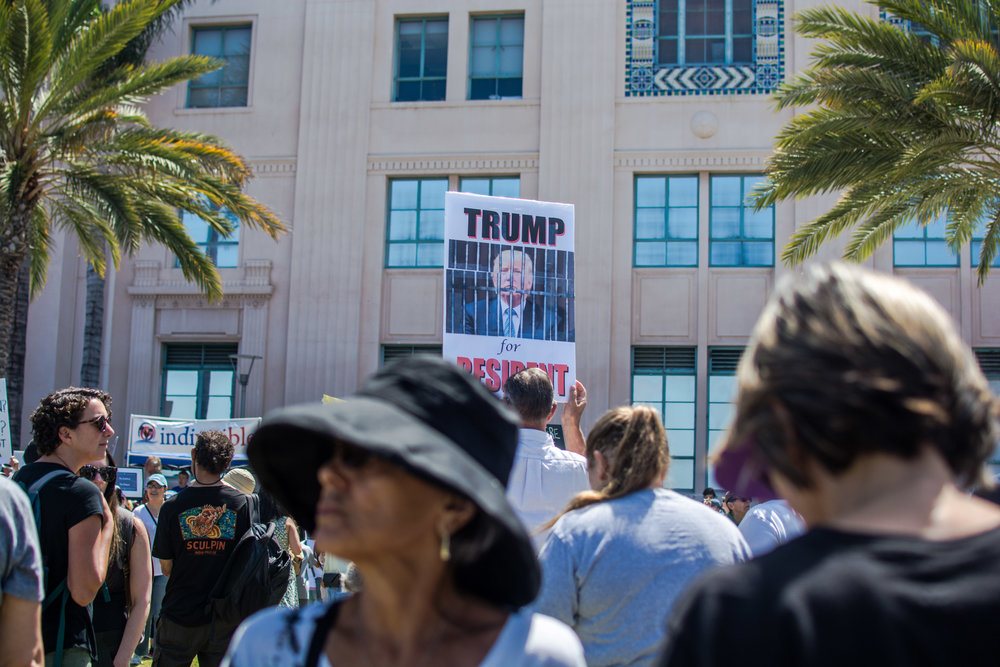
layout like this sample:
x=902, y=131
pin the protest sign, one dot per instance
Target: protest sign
x=6, y=446
x=509, y=288
x=172, y=439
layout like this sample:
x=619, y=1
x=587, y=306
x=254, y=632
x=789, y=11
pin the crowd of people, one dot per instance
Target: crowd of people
x=848, y=533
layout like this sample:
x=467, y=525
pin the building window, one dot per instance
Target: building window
x=666, y=221
x=496, y=57
x=416, y=222
x=664, y=379
x=976, y=246
x=393, y=352
x=722, y=363
x=421, y=59
x=740, y=236
x=501, y=186
x=224, y=252
x=228, y=86
x=923, y=245
x=989, y=362
x=198, y=380
x=705, y=32
x=703, y=47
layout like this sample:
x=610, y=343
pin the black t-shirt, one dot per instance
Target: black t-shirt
x=197, y=530
x=835, y=598
x=65, y=501
x=113, y=614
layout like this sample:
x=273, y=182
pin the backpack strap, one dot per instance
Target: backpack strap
x=60, y=592
x=320, y=632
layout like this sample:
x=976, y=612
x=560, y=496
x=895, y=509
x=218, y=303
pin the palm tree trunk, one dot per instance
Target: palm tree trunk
x=14, y=298
x=93, y=330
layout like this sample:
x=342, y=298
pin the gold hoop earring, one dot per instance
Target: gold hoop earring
x=445, y=552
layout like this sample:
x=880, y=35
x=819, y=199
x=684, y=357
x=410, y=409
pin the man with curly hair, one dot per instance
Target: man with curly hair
x=71, y=427
x=197, y=530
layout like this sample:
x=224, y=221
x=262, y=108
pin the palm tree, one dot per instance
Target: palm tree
x=77, y=153
x=902, y=120
x=133, y=53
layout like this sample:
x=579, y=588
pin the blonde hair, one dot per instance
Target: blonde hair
x=634, y=442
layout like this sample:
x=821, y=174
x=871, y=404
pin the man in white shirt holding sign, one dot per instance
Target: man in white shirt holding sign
x=544, y=478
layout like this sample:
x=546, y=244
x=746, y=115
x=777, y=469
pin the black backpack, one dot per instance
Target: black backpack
x=60, y=594
x=255, y=576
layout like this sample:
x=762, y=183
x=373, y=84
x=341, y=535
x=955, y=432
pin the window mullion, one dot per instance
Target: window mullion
x=729, y=37
x=681, y=32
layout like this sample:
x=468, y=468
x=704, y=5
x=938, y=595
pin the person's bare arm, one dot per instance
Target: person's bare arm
x=92, y=542
x=572, y=411
x=166, y=565
x=140, y=587
x=21, y=629
x=294, y=546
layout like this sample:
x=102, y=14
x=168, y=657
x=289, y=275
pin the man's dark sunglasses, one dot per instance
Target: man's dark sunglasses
x=100, y=422
x=107, y=473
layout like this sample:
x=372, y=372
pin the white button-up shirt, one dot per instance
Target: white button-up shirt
x=543, y=480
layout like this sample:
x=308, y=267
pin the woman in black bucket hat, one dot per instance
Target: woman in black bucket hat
x=406, y=478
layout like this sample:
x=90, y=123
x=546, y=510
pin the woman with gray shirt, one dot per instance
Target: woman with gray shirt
x=619, y=555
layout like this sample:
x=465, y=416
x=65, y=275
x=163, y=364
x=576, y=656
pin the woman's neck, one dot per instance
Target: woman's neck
x=884, y=494
x=409, y=612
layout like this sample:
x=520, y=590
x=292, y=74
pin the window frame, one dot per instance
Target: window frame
x=924, y=239
x=492, y=181
x=204, y=370
x=742, y=239
x=230, y=24
x=666, y=239
x=718, y=369
x=680, y=36
x=210, y=247
x=688, y=370
x=407, y=350
x=422, y=78
x=976, y=244
x=416, y=241
x=497, y=48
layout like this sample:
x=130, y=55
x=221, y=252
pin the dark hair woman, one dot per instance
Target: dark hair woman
x=859, y=403
x=120, y=609
x=406, y=478
x=619, y=555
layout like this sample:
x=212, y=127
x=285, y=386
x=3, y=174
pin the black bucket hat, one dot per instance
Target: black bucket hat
x=427, y=416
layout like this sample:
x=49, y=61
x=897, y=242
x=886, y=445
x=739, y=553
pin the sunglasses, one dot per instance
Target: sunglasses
x=102, y=422
x=107, y=473
x=154, y=489
x=349, y=457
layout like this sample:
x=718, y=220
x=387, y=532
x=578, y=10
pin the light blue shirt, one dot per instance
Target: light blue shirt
x=612, y=571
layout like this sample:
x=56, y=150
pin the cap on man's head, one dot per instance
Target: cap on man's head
x=157, y=478
x=732, y=497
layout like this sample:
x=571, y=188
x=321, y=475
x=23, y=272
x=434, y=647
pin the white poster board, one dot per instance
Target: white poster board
x=172, y=439
x=509, y=289
x=6, y=446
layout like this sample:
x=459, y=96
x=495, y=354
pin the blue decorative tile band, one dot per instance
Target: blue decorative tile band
x=646, y=77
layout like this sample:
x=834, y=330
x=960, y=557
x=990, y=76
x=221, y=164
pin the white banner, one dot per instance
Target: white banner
x=6, y=446
x=509, y=288
x=172, y=439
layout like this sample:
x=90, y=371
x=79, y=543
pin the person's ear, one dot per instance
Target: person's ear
x=552, y=412
x=457, y=512
x=603, y=467
x=64, y=434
